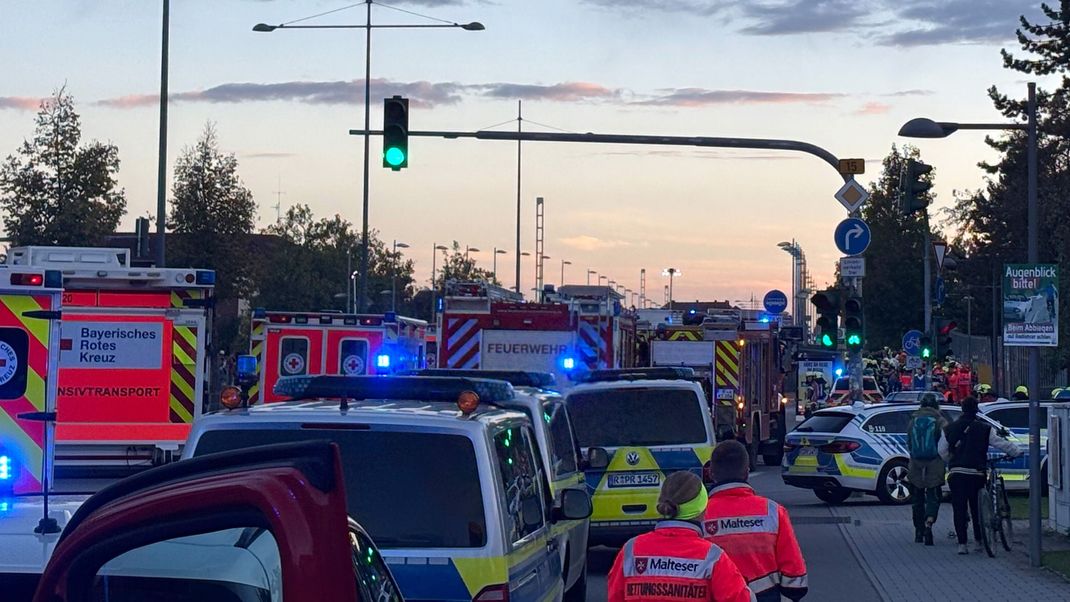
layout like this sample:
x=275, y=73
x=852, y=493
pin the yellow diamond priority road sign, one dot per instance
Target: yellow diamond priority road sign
x=852, y=195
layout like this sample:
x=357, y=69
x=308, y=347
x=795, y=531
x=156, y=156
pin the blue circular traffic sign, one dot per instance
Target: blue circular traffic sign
x=775, y=301
x=912, y=343
x=852, y=236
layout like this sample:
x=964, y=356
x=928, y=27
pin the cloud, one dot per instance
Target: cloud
x=914, y=92
x=700, y=97
x=957, y=21
x=19, y=103
x=873, y=108
x=563, y=92
x=695, y=7
x=802, y=16
x=420, y=93
x=592, y=243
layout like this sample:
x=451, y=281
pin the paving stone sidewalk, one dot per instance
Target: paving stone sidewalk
x=883, y=539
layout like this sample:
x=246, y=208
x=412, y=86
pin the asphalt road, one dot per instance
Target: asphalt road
x=835, y=572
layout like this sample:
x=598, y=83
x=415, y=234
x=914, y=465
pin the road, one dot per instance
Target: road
x=835, y=572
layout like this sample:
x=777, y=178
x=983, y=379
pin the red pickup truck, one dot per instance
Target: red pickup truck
x=261, y=524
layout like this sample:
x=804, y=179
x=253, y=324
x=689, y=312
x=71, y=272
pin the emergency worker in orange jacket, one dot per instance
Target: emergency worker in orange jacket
x=673, y=562
x=754, y=531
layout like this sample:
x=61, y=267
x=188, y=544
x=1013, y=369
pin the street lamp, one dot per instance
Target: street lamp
x=672, y=273
x=601, y=278
x=563, y=264
x=434, y=255
x=497, y=252
x=792, y=248
x=394, y=275
x=589, y=274
x=353, y=287
x=367, y=27
x=468, y=249
x=927, y=128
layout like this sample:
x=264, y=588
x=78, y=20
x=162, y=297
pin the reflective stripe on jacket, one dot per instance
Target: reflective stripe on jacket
x=673, y=562
x=757, y=535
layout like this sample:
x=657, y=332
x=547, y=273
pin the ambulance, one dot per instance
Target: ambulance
x=133, y=355
x=287, y=343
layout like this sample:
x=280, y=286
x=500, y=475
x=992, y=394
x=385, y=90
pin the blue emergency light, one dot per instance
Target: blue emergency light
x=382, y=361
x=206, y=277
x=6, y=473
x=568, y=363
x=421, y=388
x=839, y=372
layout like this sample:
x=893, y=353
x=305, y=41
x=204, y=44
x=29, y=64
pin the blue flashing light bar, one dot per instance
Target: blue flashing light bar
x=517, y=378
x=656, y=373
x=416, y=388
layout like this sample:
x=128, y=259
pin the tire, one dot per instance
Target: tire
x=773, y=459
x=892, y=484
x=1006, y=533
x=985, y=508
x=833, y=496
x=578, y=591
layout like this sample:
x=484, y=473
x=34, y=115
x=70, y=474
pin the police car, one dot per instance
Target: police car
x=1015, y=416
x=448, y=481
x=862, y=447
x=557, y=443
x=650, y=423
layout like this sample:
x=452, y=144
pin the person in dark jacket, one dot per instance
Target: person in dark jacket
x=965, y=447
x=925, y=473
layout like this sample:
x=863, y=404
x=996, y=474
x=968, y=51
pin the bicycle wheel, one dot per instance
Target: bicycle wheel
x=985, y=507
x=1006, y=533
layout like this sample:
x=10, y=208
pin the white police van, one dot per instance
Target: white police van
x=448, y=481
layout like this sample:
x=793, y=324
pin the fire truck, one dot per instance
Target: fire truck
x=484, y=326
x=133, y=360
x=740, y=359
x=605, y=332
x=312, y=343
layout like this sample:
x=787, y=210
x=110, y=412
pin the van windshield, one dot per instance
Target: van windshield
x=387, y=474
x=637, y=417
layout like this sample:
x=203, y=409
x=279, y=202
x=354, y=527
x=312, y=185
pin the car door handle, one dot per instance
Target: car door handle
x=532, y=576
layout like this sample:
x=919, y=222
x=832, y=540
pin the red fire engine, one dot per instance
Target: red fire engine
x=606, y=336
x=313, y=343
x=759, y=401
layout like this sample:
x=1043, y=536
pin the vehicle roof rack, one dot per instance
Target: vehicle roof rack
x=517, y=378
x=655, y=373
x=416, y=388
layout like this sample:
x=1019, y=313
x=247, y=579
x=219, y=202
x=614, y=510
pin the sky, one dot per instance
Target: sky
x=842, y=74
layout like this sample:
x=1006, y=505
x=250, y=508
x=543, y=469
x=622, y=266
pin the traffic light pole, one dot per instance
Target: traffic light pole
x=928, y=301
x=699, y=141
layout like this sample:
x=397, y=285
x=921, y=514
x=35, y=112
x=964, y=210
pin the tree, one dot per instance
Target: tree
x=894, y=285
x=991, y=223
x=312, y=267
x=457, y=265
x=54, y=191
x=213, y=207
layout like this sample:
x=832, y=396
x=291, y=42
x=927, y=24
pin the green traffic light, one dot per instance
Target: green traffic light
x=394, y=156
x=926, y=352
x=826, y=340
x=854, y=339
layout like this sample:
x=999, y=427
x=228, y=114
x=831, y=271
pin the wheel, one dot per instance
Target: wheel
x=578, y=591
x=833, y=496
x=1006, y=532
x=892, y=485
x=986, y=508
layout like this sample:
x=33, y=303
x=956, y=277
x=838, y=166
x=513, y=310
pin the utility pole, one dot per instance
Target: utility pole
x=161, y=173
x=519, y=129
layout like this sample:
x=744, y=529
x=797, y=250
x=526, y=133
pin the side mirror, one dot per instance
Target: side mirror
x=597, y=458
x=572, y=504
x=531, y=513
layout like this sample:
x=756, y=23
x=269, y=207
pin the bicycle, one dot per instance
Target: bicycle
x=995, y=510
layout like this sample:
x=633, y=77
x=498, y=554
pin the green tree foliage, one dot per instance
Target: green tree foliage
x=313, y=259
x=894, y=285
x=54, y=191
x=457, y=266
x=991, y=223
x=211, y=205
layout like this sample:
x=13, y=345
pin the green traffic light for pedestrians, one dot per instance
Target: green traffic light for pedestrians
x=926, y=347
x=827, y=340
x=854, y=341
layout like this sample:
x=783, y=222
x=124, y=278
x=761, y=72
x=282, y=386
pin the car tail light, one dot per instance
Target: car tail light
x=840, y=447
x=789, y=447
x=493, y=593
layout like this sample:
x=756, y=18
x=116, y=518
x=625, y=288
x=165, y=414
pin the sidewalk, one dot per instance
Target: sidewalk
x=883, y=539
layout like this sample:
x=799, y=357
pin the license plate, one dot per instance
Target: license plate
x=808, y=451
x=634, y=479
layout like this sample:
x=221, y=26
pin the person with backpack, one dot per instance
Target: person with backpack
x=925, y=473
x=965, y=447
